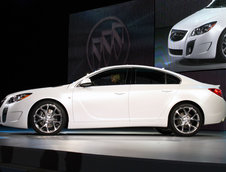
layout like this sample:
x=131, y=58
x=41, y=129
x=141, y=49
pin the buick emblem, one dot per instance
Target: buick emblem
x=108, y=43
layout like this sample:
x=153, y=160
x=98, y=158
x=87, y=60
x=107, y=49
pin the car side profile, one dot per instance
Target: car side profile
x=118, y=96
x=201, y=35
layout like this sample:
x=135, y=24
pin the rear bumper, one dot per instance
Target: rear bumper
x=215, y=113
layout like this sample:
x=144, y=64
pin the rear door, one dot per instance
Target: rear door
x=150, y=95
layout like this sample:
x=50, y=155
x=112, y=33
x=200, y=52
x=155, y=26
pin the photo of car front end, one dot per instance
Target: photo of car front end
x=198, y=35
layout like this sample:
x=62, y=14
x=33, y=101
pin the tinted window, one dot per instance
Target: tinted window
x=111, y=77
x=147, y=76
x=172, y=79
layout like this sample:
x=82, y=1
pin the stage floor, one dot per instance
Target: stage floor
x=206, y=147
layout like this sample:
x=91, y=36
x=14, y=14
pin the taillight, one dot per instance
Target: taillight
x=216, y=91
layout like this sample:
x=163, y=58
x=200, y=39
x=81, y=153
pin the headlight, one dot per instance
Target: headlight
x=203, y=29
x=18, y=97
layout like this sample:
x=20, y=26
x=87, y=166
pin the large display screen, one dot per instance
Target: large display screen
x=118, y=34
x=197, y=39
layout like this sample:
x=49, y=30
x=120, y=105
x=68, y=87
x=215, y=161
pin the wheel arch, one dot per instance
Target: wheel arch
x=47, y=99
x=222, y=30
x=218, y=39
x=187, y=102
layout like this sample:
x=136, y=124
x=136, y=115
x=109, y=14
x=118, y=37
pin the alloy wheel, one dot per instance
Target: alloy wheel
x=186, y=120
x=48, y=118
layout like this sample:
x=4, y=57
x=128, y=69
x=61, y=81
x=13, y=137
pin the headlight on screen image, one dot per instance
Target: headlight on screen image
x=203, y=29
x=18, y=97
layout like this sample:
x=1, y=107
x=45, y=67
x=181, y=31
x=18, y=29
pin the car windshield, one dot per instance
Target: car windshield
x=217, y=4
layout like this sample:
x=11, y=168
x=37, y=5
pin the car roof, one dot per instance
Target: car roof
x=183, y=78
x=134, y=66
x=127, y=66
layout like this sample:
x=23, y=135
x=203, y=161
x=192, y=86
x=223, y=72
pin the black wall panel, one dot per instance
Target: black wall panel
x=168, y=14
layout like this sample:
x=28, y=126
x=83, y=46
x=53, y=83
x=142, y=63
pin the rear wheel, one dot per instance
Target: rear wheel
x=47, y=117
x=185, y=120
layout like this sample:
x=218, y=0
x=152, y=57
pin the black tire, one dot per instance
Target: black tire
x=164, y=131
x=47, y=117
x=221, y=47
x=185, y=120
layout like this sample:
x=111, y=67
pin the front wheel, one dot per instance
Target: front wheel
x=185, y=120
x=47, y=117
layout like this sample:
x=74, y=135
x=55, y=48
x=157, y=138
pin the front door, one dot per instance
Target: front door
x=105, y=103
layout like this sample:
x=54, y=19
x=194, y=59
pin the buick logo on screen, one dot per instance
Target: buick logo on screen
x=108, y=43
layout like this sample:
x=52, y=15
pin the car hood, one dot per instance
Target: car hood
x=38, y=90
x=200, y=18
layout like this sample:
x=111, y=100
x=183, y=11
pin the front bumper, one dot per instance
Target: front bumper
x=14, y=115
x=195, y=47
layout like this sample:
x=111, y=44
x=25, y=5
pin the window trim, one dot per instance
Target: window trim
x=131, y=75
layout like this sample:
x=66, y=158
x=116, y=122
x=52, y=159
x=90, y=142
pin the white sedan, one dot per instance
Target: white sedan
x=201, y=35
x=118, y=96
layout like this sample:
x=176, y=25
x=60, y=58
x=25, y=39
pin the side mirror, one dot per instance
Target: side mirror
x=85, y=82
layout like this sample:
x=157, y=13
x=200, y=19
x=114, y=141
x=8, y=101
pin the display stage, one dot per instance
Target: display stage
x=111, y=150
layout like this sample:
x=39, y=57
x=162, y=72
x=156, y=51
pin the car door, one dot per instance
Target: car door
x=150, y=95
x=105, y=102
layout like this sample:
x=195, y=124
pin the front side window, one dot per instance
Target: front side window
x=148, y=76
x=111, y=77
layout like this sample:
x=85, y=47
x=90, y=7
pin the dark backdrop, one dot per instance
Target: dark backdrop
x=34, y=51
x=169, y=13
x=113, y=35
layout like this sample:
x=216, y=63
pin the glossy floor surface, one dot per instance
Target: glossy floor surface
x=207, y=147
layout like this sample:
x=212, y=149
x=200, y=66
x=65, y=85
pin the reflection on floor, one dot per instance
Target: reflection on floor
x=122, y=144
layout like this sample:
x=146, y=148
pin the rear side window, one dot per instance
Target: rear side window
x=148, y=76
x=170, y=79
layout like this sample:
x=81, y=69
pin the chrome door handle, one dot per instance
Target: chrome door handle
x=166, y=91
x=120, y=93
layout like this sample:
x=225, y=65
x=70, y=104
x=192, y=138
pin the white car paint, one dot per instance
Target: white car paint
x=205, y=46
x=121, y=105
